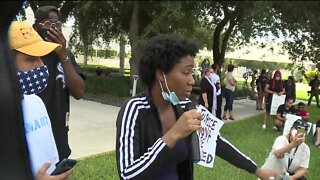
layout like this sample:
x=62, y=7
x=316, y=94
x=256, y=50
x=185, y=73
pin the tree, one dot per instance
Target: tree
x=301, y=21
x=236, y=23
x=137, y=20
x=93, y=26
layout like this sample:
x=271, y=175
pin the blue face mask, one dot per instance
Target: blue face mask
x=34, y=81
x=171, y=96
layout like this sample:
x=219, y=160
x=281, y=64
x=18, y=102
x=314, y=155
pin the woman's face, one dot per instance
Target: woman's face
x=26, y=63
x=180, y=78
x=289, y=103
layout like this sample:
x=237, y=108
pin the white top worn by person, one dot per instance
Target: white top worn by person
x=32, y=76
x=289, y=153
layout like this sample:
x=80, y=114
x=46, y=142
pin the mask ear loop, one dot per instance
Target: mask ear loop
x=161, y=86
x=165, y=81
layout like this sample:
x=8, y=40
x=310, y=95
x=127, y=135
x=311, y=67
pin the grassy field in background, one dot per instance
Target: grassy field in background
x=247, y=135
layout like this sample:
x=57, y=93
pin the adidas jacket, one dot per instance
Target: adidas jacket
x=140, y=150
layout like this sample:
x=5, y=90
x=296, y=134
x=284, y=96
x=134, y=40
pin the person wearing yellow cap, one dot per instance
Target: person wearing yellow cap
x=33, y=75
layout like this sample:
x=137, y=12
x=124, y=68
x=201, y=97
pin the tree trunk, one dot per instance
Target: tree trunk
x=85, y=59
x=216, y=44
x=121, y=54
x=134, y=38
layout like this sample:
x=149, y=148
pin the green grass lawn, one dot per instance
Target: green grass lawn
x=247, y=135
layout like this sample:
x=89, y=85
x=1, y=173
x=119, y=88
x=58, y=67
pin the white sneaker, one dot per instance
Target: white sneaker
x=275, y=128
x=264, y=126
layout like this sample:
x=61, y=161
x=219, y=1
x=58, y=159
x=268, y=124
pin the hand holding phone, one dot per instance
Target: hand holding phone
x=64, y=166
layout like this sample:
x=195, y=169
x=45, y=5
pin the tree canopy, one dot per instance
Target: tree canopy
x=220, y=26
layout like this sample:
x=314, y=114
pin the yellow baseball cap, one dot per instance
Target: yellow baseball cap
x=25, y=39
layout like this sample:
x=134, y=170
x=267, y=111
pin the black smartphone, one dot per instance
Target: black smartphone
x=63, y=166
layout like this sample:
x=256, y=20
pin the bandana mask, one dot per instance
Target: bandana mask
x=171, y=96
x=34, y=81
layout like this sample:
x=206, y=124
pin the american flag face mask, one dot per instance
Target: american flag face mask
x=34, y=81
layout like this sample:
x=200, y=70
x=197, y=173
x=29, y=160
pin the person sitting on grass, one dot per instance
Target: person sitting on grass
x=301, y=111
x=290, y=154
x=283, y=110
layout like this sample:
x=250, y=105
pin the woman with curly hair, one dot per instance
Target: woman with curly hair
x=153, y=131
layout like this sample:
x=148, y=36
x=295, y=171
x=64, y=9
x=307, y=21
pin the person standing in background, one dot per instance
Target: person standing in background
x=314, y=84
x=274, y=86
x=208, y=97
x=65, y=77
x=261, y=84
x=290, y=87
x=215, y=79
x=229, y=92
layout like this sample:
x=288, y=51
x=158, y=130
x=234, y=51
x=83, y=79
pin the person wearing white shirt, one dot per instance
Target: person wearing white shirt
x=215, y=79
x=290, y=154
x=32, y=75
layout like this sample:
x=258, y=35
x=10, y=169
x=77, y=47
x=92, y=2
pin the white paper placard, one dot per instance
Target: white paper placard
x=276, y=102
x=290, y=119
x=210, y=129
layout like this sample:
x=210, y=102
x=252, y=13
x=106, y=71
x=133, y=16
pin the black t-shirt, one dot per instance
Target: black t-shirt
x=56, y=99
x=314, y=85
x=206, y=87
x=283, y=111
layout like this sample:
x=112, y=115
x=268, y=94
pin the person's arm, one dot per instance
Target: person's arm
x=266, y=89
x=279, y=116
x=74, y=82
x=279, y=113
x=205, y=99
x=232, y=155
x=232, y=80
x=301, y=172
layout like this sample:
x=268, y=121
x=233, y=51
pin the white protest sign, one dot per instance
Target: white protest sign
x=276, y=102
x=290, y=119
x=208, y=134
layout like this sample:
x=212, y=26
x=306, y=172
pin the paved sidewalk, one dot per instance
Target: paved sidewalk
x=93, y=125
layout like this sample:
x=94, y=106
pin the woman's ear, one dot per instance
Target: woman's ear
x=159, y=75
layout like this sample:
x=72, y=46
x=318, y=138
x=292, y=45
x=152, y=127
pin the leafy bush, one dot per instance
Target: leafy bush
x=113, y=85
x=310, y=75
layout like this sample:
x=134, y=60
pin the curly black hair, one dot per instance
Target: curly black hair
x=163, y=52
